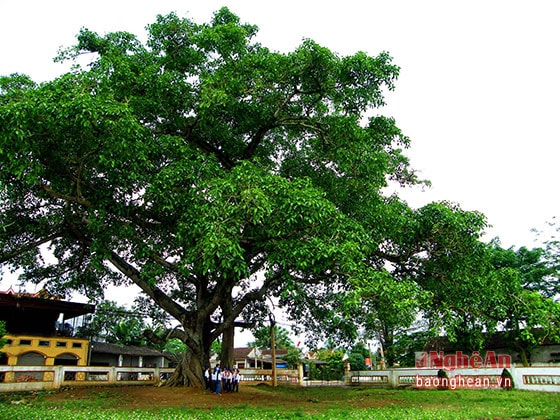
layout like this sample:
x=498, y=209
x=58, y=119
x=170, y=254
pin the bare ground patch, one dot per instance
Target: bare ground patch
x=248, y=395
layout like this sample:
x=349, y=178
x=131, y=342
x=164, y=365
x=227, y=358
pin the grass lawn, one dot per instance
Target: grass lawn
x=284, y=402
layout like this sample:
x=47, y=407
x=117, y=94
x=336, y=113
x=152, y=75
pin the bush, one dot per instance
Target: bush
x=2, y=334
x=332, y=368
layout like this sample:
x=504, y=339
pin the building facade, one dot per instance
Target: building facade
x=40, y=330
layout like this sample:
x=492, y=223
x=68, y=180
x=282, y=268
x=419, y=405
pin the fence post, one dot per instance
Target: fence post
x=112, y=375
x=347, y=376
x=393, y=378
x=59, y=373
x=300, y=373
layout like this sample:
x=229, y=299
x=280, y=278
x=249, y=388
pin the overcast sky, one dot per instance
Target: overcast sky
x=478, y=91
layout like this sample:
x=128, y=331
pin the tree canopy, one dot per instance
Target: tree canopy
x=282, y=338
x=214, y=174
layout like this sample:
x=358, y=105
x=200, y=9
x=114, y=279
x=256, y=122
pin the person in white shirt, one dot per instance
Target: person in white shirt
x=235, y=381
x=216, y=379
x=207, y=378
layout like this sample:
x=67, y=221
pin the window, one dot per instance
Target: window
x=44, y=343
x=61, y=344
x=24, y=342
x=76, y=345
x=554, y=357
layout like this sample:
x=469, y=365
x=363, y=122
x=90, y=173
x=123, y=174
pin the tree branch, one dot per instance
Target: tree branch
x=257, y=294
x=168, y=304
x=165, y=336
x=65, y=197
x=8, y=256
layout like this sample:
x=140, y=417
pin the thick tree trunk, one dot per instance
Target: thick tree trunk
x=227, y=357
x=189, y=372
x=389, y=347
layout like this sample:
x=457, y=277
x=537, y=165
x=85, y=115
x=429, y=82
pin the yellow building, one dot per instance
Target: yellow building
x=40, y=331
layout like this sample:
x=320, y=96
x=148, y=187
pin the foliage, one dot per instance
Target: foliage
x=175, y=346
x=282, y=338
x=128, y=332
x=293, y=357
x=407, y=345
x=430, y=267
x=2, y=334
x=327, y=365
x=548, y=284
x=99, y=324
x=114, y=324
x=117, y=324
x=464, y=287
x=357, y=357
x=216, y=348
x=525, y=280
x=357, y=361
x=510, y=294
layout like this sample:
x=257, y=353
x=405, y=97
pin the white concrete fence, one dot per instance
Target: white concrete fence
x=34, y=378
x=525, y=378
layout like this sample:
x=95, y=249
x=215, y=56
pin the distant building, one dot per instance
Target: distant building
x=40, y=332
x=254, y=358
x=108, y=354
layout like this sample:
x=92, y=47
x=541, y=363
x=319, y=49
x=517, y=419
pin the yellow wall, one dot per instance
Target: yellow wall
x=49, y=347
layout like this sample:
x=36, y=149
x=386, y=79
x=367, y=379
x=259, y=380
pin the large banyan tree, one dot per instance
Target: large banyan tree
x=209, y=171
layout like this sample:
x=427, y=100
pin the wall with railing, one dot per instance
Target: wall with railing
x=285, y=376
x=525, y=378
x=33, y=378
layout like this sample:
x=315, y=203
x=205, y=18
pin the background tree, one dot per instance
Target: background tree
x=388, y=309
x=282, y=338
x=429, y=266
x=525, y=304
x=176, y=347
x=99, y=324
x=406, y=346
x=549, y=285
x=129, y=332
x=358, y=355
x=293, y=357
x=508, y=293
x=115, y=324
x=216, y=348
x=328, y=365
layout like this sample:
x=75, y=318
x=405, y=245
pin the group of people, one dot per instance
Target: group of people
x=220, y=379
